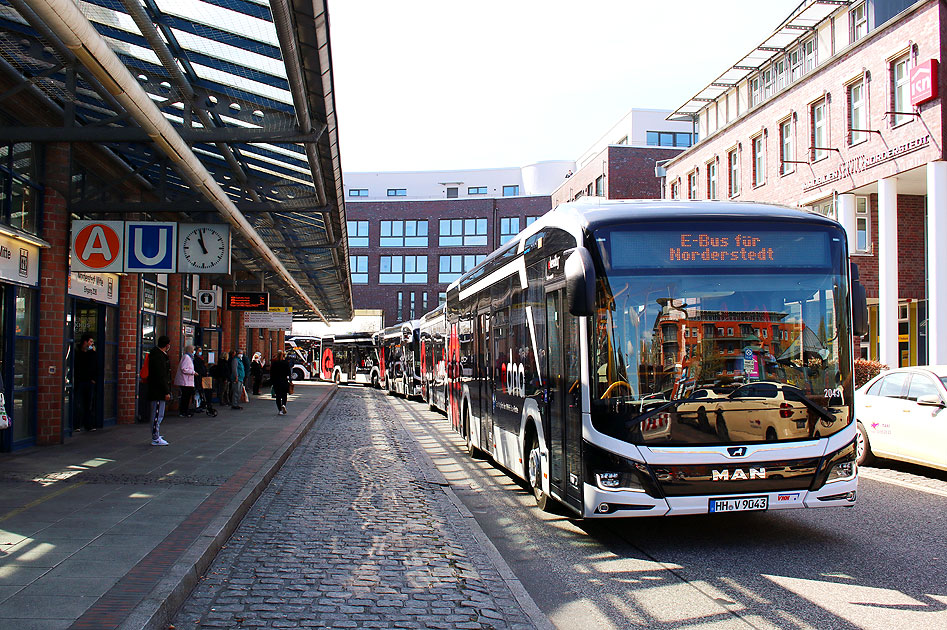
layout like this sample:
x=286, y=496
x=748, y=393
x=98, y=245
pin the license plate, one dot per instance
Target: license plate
x=743, y=504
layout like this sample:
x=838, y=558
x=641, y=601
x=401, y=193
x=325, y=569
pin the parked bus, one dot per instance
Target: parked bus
x=399, y=359
x=580, y=353
x=303, y=355
x=432, y=330
x=350, y=359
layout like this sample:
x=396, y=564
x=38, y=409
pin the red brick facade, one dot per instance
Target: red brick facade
x=628, y=174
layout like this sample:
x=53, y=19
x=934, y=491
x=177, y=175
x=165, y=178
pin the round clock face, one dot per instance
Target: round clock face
x=204, y=247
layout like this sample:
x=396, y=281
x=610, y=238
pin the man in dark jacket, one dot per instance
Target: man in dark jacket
x=200, y=370
x=159, y=386
x=84, y=370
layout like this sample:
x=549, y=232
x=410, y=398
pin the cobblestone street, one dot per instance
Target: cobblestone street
x=355, y=531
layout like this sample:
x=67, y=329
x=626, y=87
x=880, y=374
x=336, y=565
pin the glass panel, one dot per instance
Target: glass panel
x=22, y=415
x=23, y=373
x=109, y=409
x=25, y=312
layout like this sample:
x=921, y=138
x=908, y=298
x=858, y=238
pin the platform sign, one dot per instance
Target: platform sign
x=923, y=80
x=248, y=301
x=98, y=246
x=206, y=300
x=268, y=320
x=150, y=247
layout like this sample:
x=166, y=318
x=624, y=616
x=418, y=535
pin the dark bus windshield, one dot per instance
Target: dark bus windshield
x=715, y=334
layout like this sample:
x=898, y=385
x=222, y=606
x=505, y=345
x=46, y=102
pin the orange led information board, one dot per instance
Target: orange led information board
x=248, y=301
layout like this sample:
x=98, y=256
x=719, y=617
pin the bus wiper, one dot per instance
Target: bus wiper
x=656, y=410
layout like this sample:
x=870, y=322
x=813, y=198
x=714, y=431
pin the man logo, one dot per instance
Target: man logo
x=737, y=451
x=739, y=474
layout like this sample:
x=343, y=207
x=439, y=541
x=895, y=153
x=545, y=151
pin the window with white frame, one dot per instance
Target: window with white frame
x=403, y=270
x=692, y=185
x=862, y=225
x=782, y=76
x=756, y=90
x=675, y=189
x=759, y=161
x=900, y=91
x=509, y=227
x=511, y=191
x=600, y=186
x=769, y=82
x=733, y=166
x=825, y=207
x=819, y=136
x=358, y=233
x=858, y=22
x=787, y=152
x=477, y=190
x=358, y=265
x=712, y=180
x=451, y=267
x=794, y=59
x=462, y=232
x=809, y=55
x=857, y=120
x=403, y=233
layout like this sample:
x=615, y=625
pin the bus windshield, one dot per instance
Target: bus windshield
x=715, y=335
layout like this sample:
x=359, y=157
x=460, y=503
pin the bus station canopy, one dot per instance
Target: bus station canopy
x=247, y=88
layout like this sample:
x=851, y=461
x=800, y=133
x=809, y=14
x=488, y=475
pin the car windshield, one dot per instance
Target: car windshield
x=702, y=356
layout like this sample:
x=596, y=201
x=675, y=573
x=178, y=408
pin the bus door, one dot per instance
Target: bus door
x=486, y=383
x=564, y=411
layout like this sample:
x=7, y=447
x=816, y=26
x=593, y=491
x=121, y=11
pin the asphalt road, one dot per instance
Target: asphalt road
x=879, y=565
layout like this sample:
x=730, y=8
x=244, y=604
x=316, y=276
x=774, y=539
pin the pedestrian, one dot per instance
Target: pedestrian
x=200, y=371
x=221, y=375
x=237, y=374
x=159, y=386
x=184, y=378
x=247, y=374
x=280, y=377
x=84, y=370
x=256, y=372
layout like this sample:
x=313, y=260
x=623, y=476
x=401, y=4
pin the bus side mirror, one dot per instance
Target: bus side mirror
x=859, y=305
x=580, y=283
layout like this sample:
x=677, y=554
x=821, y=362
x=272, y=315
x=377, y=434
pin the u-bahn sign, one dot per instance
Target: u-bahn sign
x=98, y=246
x=150, y=247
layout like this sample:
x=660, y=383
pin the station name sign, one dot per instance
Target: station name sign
x=865, y=162
x=248, y=301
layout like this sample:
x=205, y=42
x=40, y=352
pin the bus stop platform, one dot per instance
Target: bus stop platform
x=108, y=531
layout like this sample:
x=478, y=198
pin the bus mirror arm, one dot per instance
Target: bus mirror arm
x=580, y=283
x=859, y=305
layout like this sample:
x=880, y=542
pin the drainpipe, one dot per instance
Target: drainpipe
x=68, y=24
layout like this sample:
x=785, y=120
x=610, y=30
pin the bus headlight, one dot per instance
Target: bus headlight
x=839, y=466
x=625, y=480
x=611, y=472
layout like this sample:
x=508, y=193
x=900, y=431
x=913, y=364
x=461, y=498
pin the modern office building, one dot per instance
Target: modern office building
x=838, y=110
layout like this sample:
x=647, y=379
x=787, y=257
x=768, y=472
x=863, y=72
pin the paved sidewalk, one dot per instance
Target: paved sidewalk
x=358, y=530
x=108, y=531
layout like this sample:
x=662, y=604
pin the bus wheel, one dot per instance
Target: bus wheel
x=863, y=455
x=468, y=439
x=534, y=475
x=375, y=383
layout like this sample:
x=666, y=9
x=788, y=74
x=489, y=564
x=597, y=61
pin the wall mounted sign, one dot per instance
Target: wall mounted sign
x=248, y=301
x=923, y=81
x=206, y=300
x=150, y=247
x=19, y=261
x=865, y=162
x=203, y=248
x=98, y=246
x=98, y=287
x=268, y=320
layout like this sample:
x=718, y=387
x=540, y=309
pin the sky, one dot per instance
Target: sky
x=451, y=84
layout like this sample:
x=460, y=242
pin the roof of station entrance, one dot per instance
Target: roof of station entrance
x=248, y=87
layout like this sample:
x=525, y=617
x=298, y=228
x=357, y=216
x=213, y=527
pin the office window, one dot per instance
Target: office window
x=397, y=192
x=403, y=270
x=600, y=186
x=358, y=233
x=858, y=22
x=403, y=234
x=733, y=162
x=511, y=191
x=509, y=227
x=358, y=265
x=424, y=301
x=452, y=192
x=441, y=297
x=451, y=267
x=683, y=139
x=819, y=137
x=358, y=192
x=400, y=306
x=675, y=189
x=712, y=180
x=857, y=120
x=787, y=152
x=477, y=190
x=862, y=225
x=759, y=162
x=900, y=92
x=665, y=139
x=692, y=185
x=462, y=232
x=529, y=220
x=411, y=312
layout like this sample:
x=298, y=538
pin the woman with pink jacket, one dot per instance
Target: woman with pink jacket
x=184, y=378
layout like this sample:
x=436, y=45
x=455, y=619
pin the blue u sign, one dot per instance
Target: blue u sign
x=150, y=247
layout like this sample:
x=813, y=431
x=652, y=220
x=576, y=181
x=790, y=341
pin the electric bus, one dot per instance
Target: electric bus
x=432, y=330
x=662, y=357
x=303, y=354
x=399, y=359
x=351, y=358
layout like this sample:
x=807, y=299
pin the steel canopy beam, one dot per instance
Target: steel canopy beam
x=129, y=134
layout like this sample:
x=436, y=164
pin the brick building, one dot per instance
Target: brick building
x=834, y=112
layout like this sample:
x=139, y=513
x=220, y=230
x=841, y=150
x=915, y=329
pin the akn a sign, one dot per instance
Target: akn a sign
x=923, y=80
x=98, y=246
x=150, y=247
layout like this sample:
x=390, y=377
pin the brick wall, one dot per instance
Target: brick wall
x=628, y=171
x=129, y=360
x=53, y=274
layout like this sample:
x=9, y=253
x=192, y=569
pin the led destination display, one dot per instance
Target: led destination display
x=737, y=248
